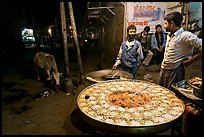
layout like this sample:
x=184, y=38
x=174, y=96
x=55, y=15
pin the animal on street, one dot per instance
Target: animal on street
x=47, y=63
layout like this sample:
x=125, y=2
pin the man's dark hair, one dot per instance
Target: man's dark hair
x=131, y=26
x=176, y=17
x=147, y=28
x=159, y=43
x=158, y=25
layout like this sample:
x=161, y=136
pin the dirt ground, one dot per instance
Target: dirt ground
x=24, y=112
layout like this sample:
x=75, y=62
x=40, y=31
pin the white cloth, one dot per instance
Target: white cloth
x=148, y=58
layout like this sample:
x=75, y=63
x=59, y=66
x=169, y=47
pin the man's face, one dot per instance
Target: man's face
x=167, y=26
x=131, y=34
x=158, y=30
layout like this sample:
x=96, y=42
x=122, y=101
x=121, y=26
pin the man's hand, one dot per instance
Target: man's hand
x=139, y=64
x=160, y=49
x=114, y=67
x=186, y=62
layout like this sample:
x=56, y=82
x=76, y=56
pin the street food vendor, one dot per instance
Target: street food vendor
x=178, y=52
x=178, y=55
x=130, y=54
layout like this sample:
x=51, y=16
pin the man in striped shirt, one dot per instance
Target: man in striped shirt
x=178, y=52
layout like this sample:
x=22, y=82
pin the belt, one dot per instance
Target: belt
x=170, y=66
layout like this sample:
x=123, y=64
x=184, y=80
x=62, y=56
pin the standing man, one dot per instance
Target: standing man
x=130, y=54
x=178, y=50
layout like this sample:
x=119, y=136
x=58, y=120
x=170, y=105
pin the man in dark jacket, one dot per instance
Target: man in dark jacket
x=145, y=39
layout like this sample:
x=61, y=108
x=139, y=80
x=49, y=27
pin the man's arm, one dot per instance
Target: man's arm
x=118, y=59
x=192, y=39
x=153, y=42
x=196, y=57
x=140, y=55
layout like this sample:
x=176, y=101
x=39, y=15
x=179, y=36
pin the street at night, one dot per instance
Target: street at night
x=36, y=107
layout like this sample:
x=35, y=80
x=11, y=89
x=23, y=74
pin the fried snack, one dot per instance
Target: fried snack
x=196, y=81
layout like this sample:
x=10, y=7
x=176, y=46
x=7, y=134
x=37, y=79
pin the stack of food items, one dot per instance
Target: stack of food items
x=196, y=83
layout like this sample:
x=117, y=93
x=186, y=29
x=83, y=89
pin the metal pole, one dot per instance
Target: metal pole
x=76, y=39
x=64, y=36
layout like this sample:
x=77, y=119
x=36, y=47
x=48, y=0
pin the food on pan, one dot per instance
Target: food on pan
x=196, y=81
x=128, y=99
x=114, y=102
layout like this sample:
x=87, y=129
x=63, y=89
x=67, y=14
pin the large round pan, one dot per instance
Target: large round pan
x=108, y=74
x=99, y=92
x=150, y=130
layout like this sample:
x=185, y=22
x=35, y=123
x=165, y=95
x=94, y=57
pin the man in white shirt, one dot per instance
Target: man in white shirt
x=178, y=52
x=130, y=54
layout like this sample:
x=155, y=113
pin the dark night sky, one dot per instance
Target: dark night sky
x=44, y=13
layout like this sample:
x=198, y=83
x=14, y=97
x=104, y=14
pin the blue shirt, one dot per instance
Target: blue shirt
x=154, y=43
x=129, y=54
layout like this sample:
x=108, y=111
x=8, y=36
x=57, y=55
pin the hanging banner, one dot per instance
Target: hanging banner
x=149, y=13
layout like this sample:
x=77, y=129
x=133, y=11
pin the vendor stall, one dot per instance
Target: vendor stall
x=191, y=92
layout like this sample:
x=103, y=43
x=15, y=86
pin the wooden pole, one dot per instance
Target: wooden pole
x=186, y=9
x=64, y=36
x=76, y=40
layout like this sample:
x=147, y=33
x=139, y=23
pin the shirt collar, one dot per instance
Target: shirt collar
x=130, y=43
x=178, y=31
